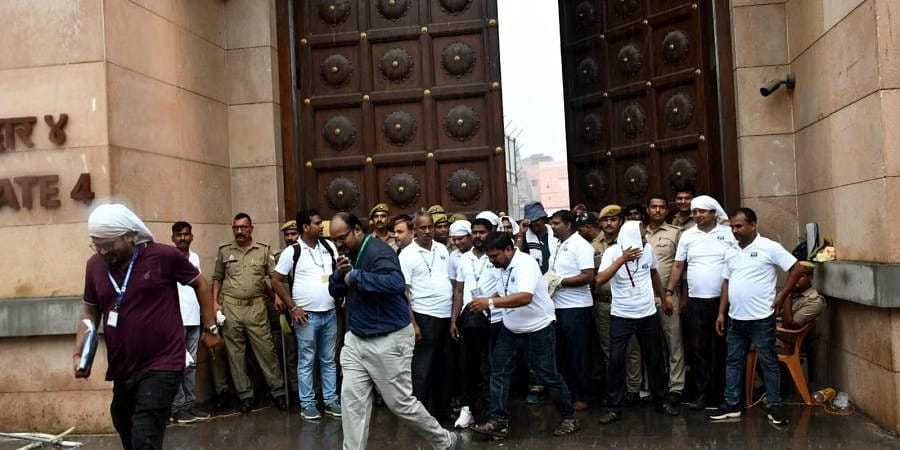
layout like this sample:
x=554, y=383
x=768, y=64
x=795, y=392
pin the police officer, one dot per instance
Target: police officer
x=242, y=268
x=664, y=239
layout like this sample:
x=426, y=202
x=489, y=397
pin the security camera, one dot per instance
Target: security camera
x=773, y=86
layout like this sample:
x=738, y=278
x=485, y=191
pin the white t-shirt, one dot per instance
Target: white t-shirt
x=751, y=276
x=523, y=274
x=187, y=298
x=427, y=273
x=453, y=265
x=568, y=260
x=475, y=272
x=631, y=302
x=311, y=277
x=705, y=256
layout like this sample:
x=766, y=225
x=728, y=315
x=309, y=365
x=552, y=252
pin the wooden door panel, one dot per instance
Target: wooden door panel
x=398, y=128
x=400, y=103
x=649, y=94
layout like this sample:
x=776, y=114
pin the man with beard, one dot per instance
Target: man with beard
x=183, y=410
x=378, y=348
x=664, y=239
x=573, y=265
x=425, y=268
x=535, y=235
x=379, y=217
x=611, y=221
x=132, y=283
x=529, y=323
x=241, y=274
x=701, y=250
x=403, y=231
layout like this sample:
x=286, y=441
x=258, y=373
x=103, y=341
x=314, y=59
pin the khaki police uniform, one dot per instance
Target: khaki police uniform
x=806, y=307
x=683, y=222
x=602, y=315
x=243, y=275
x=665, y=241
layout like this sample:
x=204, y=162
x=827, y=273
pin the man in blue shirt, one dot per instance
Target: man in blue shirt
x=378, y=348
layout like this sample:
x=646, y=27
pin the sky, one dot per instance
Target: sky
x=531, y=71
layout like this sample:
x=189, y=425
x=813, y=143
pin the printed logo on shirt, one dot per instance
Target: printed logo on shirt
x=754, y=254
x=720, y=237
x=645, y=266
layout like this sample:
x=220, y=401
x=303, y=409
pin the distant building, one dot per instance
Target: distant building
x=549, y=181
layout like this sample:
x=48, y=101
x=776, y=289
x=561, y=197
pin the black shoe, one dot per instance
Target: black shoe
x=496, y=429
x=696, y=404
x=609, y=417
x=246, y=405
x=777, y=415
x=198, y=414
x=566, y=426
x=281, y=402
x=184, y=417
x=668, y=409
x=632, y=398
x=725, y=411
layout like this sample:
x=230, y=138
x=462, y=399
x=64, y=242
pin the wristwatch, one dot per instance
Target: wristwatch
x=212, y=329
x=491, y=304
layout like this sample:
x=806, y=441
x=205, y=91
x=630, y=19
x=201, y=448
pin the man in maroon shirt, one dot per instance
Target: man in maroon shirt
x=132, y=284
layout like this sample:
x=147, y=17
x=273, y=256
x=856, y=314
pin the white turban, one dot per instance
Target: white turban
x=630, y=235
x=490, y=216
x=460, y=228
x=512, y=224
x=710, y=204
x=114, y=220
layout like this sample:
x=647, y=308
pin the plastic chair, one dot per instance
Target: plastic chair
x=792, y=361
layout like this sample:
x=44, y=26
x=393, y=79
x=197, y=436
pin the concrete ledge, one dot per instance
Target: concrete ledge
x=866, y=283
x=46, y=316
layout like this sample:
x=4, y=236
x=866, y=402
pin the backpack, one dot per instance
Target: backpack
x=297, y=248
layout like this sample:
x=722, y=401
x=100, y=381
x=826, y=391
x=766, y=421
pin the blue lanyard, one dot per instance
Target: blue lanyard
x=120, y=291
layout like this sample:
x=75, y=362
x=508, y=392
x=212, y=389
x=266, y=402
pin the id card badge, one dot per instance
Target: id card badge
x=477, y=293
x=112, y=319
x=325, y=279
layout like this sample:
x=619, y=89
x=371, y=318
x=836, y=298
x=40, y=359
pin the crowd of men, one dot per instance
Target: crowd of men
x=440, y=316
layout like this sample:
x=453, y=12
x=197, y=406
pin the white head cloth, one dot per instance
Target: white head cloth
x=630, y=235
x=490, y=216
x=710, y=204
x=460, y=228
x=512, y=224
x=114, y=220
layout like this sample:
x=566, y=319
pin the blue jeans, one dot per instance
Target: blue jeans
x=647, y=330
x=317, y=339
x=573, y=350
x=540, y=346
x=184, y=396
x=740, y=334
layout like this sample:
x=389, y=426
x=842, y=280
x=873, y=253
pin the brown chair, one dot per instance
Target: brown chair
x=792, y=361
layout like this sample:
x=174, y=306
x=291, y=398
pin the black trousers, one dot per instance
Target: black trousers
x=707, y=357
x=647, y=330
x=431, y=365
x=474, y=346
x=140, y=408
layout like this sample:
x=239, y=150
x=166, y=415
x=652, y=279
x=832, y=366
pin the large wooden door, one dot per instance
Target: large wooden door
x=400, y=104
x=641, y=99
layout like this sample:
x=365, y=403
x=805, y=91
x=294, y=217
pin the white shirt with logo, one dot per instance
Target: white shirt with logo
x=568, y=260
x=427, y=273
x=478, y=273
x=704, y=253
x=752, y=274
x=453, y=266
x=310, y=290
x=187, y=297
x=523, y=274
x=632, y=296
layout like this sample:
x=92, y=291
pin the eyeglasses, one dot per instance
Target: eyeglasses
x=106, y=246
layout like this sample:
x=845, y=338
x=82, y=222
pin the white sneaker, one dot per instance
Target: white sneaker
x=465, y=418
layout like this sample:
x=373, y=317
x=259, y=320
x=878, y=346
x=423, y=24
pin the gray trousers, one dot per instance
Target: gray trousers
x=184, y=394
x=386, y=363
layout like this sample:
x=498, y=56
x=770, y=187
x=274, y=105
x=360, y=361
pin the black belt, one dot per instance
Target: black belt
x=372, y=336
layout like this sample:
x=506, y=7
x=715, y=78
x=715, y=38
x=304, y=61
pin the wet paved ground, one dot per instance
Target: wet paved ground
x=530, y=428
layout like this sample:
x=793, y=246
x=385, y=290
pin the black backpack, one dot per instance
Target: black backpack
x=296, y=246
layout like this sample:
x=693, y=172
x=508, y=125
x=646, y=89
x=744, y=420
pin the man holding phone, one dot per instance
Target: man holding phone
x=378, y=347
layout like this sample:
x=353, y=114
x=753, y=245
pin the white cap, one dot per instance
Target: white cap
x=460, y=228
